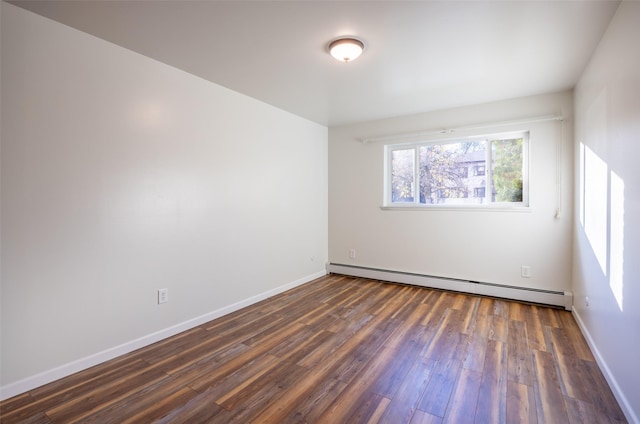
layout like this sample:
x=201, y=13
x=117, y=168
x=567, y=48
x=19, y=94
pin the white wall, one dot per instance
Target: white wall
x=487, y=246
x=122, y=175
x=607, y=226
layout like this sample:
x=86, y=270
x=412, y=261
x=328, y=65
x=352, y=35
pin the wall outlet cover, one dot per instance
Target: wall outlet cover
x=163, y=296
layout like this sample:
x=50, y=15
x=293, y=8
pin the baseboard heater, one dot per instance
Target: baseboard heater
x=527, y=294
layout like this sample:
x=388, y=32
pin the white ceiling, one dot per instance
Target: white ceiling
x=419, y=56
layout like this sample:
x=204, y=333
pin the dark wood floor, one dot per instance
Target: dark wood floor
x=346, y=350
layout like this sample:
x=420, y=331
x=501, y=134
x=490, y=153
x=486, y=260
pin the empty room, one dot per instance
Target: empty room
x=320, y=211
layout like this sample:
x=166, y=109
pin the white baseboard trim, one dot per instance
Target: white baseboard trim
x=546, y=297
x=629, y=413
x=81, y=364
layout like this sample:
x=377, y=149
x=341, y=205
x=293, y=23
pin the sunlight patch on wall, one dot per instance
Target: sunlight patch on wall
x=581, y=199
x=595, y=205
x=616, y=277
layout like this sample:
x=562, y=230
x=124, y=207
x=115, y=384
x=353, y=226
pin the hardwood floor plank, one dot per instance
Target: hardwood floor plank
x=580, y=412
x=115, y=368
x=461, y=302
x=323, y=367
x=237, y=361
x=333, y=344
x=479, y=340
x=396, y=371
x=421, y=417
x=403, y=404
x=535, y=333
x=405, y=330
x=366, y=408
x=600, y=393
x=199, y=409
x=263, y=365
x=521, y=403
x=265, y=393
x=519, y=364
x=376, y=417
x=550, y=406
x=349, y=325
x=351, y=338
x=204, y=370
x=342, y=285
x=296, y=353
x=358, y=390
x=314, y=314
x=96, y=376
x=216, y=344
x=464, y=400
x=343, y=349
x=450, y=326
x=403, y=305
x=492, y=407
x=547, y=316
x=308, y=408
x=577, y=340
x=486, y=306
x=38, y=418
x=101, y=397
x=146, y=405
x=470, y=311
x=440, y=302
x=336, y=342
x=278, y=373
x=501, y=308
x=234, y=382
x=383, y=295
x=353, y=363
x=297, y=339
x=498, y=328
x=16, y=403
x=164, y=350
x=72, y=390
x=355, y=299
x=442, y=382
x=516, y=311
x=572, y=381
x=238, y=319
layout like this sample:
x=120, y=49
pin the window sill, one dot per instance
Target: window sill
x=474, y=208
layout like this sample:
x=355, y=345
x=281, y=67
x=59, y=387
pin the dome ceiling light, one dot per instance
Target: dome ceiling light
x=346, y=49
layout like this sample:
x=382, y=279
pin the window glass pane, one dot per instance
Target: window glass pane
x=506, y=172
x=445, y=175
x=402, y=175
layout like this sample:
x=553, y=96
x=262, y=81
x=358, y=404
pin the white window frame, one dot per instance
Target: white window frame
x=415, y=204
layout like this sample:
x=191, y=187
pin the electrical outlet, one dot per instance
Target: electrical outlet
x=525, y=271
x=163, y=296
x=352, y=253
x=587, y=301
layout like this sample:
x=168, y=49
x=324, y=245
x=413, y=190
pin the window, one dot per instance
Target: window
x=438, y=173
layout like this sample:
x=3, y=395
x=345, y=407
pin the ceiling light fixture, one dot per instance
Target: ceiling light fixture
x=346, y=49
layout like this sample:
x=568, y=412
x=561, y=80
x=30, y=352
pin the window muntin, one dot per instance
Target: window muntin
x=491, y=170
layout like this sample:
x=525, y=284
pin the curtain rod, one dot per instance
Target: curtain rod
x=400, y=137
